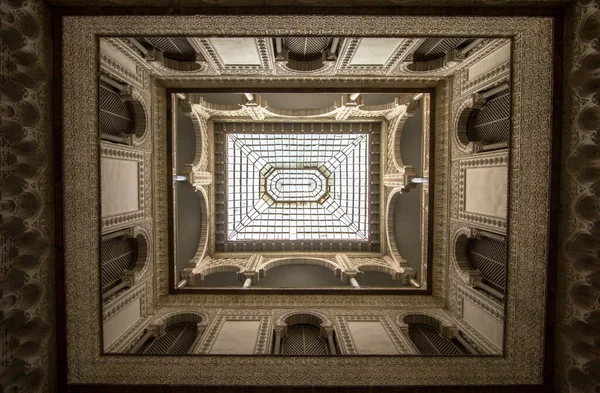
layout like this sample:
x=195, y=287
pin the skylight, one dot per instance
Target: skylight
x=297, y=186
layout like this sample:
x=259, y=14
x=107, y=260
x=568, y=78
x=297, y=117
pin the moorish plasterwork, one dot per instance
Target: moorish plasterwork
x=531, y=36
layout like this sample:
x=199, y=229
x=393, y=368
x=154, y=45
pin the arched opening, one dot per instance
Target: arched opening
x=305, y=334
x=119, y=254
x=431, y=338
x=176, y=340
x=220, y=279
x=435, y=48
x=179, y=336
x=488, y=256
x=175, y=53
x=298, y=273
x=176, y=48
x=117, y=116
x=377, y=279
x=490, y=124
x=436, y=53
x=191, y=228
x=303, y=339
x=429, y=341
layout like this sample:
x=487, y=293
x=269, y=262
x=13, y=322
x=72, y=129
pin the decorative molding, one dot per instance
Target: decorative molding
x=480, y=161
x=347, y=345
x=126, y=154
x=117, y=70
x=113, y=307
x=485, y=81
x=532, y=40
x=263, y=47
x=348, y=50
x=263, y=340
x=492, y=307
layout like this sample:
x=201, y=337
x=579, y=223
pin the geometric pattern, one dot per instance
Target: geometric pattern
x=491, y=123
x=297, y=186
x=429, y=341
x=303, y=340
x=489, y=257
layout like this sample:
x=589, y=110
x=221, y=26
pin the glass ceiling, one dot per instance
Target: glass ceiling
x=297, y=187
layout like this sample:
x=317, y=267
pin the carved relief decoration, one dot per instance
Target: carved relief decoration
x=479, y=161
x=531, y=36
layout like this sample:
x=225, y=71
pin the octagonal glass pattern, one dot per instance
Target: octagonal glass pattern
x=297, y=186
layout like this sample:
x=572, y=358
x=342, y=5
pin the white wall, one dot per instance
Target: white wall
x=121, y=322
x=483, y=322
x=371, y=338
x=489, y=62
x=120, y=186
x=486, y=191
x=236, y=337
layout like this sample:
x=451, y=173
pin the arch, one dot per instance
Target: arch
x=303, y=325
x=200, y=127
x=395, y=162
x=305, y=54
x=437, y=53
x=122, y=110
x=116, y=115
x=141, y=123
x=276, y=262
x=181, y=317
x=390, y=238
x=459, y=257
x=488, y=256
x=480, y=260
x=27, y=205
x=297, y=275
x=431, y=334
x=142, y=237
x=459, y=123
x=174, y=333
x=221, y=269
x=177, y=339
x=118, y=256
x=203, y=241
x=304, y=339
x=28, y=296
x=303, y=317
x=172, y=54
x=490, y=123
x=377, y=268
x=430, y=341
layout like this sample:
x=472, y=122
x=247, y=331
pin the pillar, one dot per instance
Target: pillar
x=278, y=337
x=330, y=341
x=138, y=345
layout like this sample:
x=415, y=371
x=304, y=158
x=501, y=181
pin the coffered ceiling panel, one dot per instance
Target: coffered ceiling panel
x=375, y=51
x=237, y=51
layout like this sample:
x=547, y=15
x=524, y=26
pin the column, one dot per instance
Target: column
x=330, y=342
x=465, y=344
x=279, y=331
x=147, y=336
x=201, y=328
x=476, y=232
